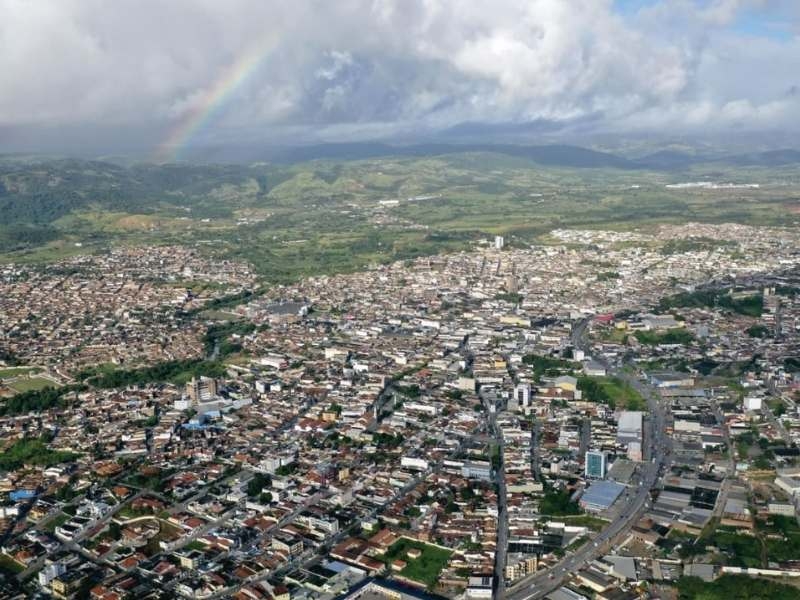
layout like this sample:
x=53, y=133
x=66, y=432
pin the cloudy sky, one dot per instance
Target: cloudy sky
x=170, y=74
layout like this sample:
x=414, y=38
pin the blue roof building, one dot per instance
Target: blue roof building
x=18, y=495
x=601, y=495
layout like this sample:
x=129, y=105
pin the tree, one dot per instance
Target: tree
x=734, y=587
x=256, y=485
x=467, y=494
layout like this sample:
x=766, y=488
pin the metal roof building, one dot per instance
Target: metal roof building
x=600, y=495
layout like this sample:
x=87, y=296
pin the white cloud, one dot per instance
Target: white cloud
x=396, y=64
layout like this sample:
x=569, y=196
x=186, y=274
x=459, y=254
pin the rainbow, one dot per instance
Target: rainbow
x=213, y=101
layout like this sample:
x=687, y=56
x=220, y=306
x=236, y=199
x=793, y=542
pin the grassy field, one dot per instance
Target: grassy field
x=175, y=371
x=611, y=335
x=612, y=391
x=56, y=250
x=17, y=371
x=671, y=336
x=424, y=569
x=590, y=521
x=219, y=315
x=27, y=384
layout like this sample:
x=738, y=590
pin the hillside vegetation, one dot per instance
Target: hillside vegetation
x=324, y=216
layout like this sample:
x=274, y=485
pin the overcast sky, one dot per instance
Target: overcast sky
x=142, y=73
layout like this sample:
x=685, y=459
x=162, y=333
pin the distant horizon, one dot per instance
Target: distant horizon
x=177, y=80
x=630, y=148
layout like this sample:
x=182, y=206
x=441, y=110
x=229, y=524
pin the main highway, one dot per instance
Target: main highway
x=636, y=500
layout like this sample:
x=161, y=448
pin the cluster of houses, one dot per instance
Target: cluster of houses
x=121, y=307
x=437, y=422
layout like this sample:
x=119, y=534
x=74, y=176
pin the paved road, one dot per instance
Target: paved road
x=536, y=459
x=725, y=488
x=498, y=589
x=586, y=437
x=544, y=582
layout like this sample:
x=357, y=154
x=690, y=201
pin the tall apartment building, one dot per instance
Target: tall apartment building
x=202, y=390
x=595, y=464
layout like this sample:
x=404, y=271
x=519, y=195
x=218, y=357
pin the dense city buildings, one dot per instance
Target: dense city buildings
x=596, y=417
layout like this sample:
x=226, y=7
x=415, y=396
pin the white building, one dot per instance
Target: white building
x=635, y=451
x=274, y=360
x=789, y=484
x=752, y=403
x=480, y=586
x=410, y=462
x=50, y=572
x=522, y=394
x=594, y=369
x=428, y=409
x=781, y=508
x=629, y=427
x=660, y=322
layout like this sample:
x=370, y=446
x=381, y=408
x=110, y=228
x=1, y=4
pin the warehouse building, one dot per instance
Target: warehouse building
x=601, y=495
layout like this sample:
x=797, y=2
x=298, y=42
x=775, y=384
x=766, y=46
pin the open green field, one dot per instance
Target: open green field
x=670, y=336
x=8, y=372
x=219, y=315
x=612, y=391
x=424, y=569
x=611, y=335
x=590, y=521
x=195, y=545
x=26, y=384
